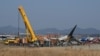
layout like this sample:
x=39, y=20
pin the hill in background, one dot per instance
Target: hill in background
x=14, y=30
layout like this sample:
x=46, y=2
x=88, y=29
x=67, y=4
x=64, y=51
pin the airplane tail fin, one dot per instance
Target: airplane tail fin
x=71, y=33
x=71, y=37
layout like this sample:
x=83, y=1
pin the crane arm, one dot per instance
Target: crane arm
x=27, y=24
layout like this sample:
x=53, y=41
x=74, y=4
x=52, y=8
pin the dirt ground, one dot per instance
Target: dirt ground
x=93, y=50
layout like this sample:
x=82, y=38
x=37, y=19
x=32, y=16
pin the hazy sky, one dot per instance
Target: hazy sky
x=60, y=14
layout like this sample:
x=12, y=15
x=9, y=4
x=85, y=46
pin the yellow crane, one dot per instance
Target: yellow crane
x=32, y=37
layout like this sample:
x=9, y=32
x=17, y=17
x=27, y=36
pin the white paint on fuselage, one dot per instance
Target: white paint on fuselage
x=63, y=37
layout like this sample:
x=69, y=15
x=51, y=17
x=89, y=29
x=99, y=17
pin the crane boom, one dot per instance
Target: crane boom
x=27, y=24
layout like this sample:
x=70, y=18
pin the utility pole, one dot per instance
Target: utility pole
x=18, y=22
